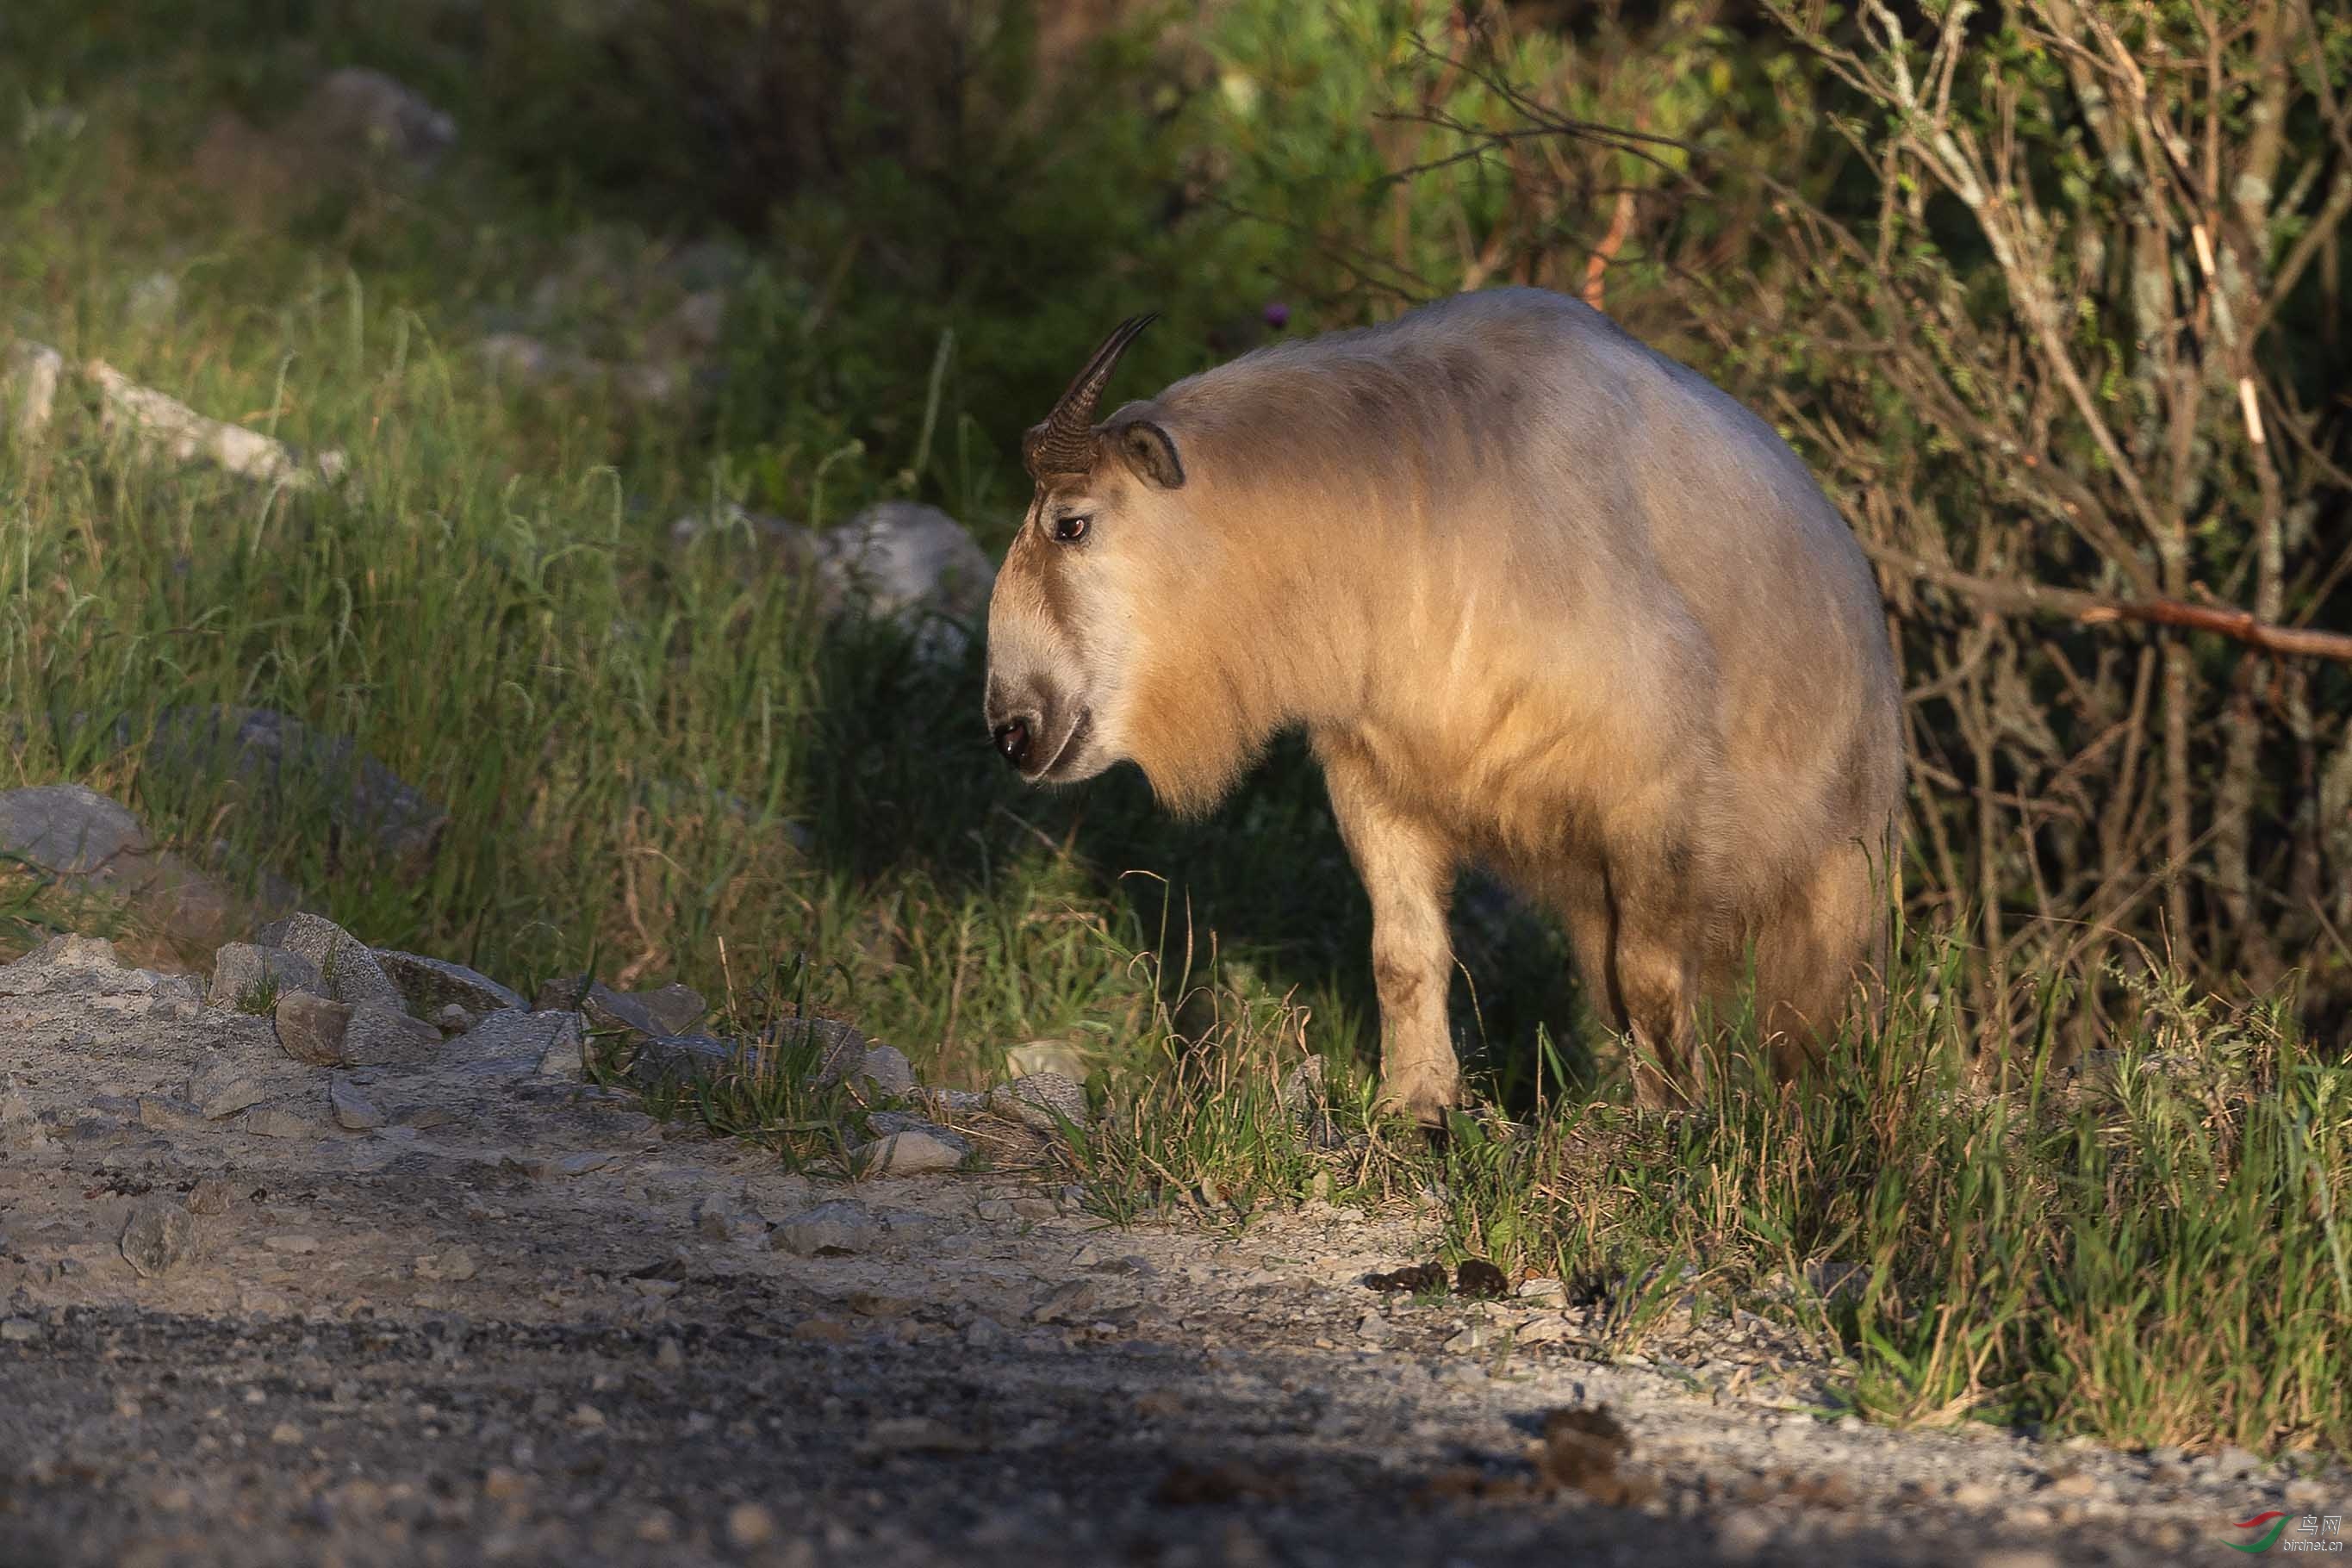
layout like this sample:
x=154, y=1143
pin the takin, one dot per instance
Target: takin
x=1542, y=599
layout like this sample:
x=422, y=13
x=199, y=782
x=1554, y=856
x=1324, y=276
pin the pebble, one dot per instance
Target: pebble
x=911, y=1155
x=1375, y=1330
x=292, y=1243
x=159, y=1237
x=750, y=1525
x=212, y=1195
x=19, y=1331
x=352, y=1108
x=1745, y=1532
x=285, y=1433
x=1038, y=1099
x=221, y=1088
x=838, y=1226
x=310, y=1028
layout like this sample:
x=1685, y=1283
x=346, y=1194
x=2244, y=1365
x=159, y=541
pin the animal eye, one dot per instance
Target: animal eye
x=1070, y=530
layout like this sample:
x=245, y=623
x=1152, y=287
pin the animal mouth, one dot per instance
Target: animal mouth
x=1071, y=747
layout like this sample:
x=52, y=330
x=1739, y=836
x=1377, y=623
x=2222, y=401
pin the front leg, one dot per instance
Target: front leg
x=1407, y=868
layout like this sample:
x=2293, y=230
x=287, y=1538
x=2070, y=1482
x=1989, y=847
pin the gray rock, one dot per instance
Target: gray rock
x=1047, y=1056
x=604, y=1008
x=28, y=386
x=367, y=113
x=81, y=836
x=252, y=979
x=1374, y=1329
x=212, y=1195
x=839, y=1227
x=221, y=1087
x=279, y=764
x=662, y=1057
x=81, y=963
x=835, y=1050
x=911, y=565
x=886, y=1068
x=380, y=1035
x=1037, y=1099
x=19, y=1331
x=271, y=1123
x=311, y=1028
x=68, y=829
x=165, y=1114
x=452, y=1020
x=347, y=967
x=675, y=1009
x=352, y=1108
x=911, y=1155
x=2231, y=1463
x=429, y=985
x=513, y=1042
x=159, y=1237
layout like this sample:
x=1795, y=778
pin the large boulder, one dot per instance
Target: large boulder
x=79, y=837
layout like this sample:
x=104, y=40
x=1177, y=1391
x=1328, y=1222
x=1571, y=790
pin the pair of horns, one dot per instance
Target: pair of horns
x=1065, y=442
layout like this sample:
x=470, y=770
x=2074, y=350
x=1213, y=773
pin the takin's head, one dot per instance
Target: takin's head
x=1091, y=576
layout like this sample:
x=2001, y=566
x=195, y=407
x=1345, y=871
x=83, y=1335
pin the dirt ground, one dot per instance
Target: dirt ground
x=470, y=1310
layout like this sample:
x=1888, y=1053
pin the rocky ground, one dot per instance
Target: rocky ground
x=335, y=1257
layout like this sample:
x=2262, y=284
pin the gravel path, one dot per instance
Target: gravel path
x=519, y=1321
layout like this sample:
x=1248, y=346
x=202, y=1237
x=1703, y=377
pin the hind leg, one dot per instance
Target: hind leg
x=1655, y=979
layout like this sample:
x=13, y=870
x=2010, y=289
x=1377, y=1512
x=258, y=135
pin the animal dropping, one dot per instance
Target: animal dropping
x=1542, y=599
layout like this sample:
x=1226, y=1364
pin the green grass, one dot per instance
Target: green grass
x=622, y=735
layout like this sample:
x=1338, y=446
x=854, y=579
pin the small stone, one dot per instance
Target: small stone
x=456, y=1264
x=453, y=1019
x=29, y=372
x=1548, y=1328
x=2231, y=1463
x=554, y=1167
x=993, y=1209
x=1067, y=1303
x=292, y=1243
x=277, y=1124
x=839, y=1227
x=165, y=1114
x=748, y=1525
x=380, y=1035
x=1541, y=1290
x=908, y=1155
x=347, y=967
x=587, y=1417
x=1041, y=1056
x=220, y=1088
x=984, y=1333
x=251, y=978
x=211, y=1196
x=19, y=1331
x=311, y=1028
x=1475, y=1337
x=503, y=1484
x=285, y=1434
x=886, y=1067
x=2082, y=1483
x=159, y=1237
x=430, y=985
x=675, y=1009
x=352, y=1108
x=667, y=1356
x=1746, y=1533
x=1375, y=1329
x=1040, y=1102
x=1973, y=1494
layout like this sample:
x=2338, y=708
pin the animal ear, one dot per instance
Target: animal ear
x=1151, y=451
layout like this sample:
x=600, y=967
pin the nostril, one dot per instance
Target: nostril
x=1012, y=740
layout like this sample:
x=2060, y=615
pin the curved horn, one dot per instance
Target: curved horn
x=1064, y=442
